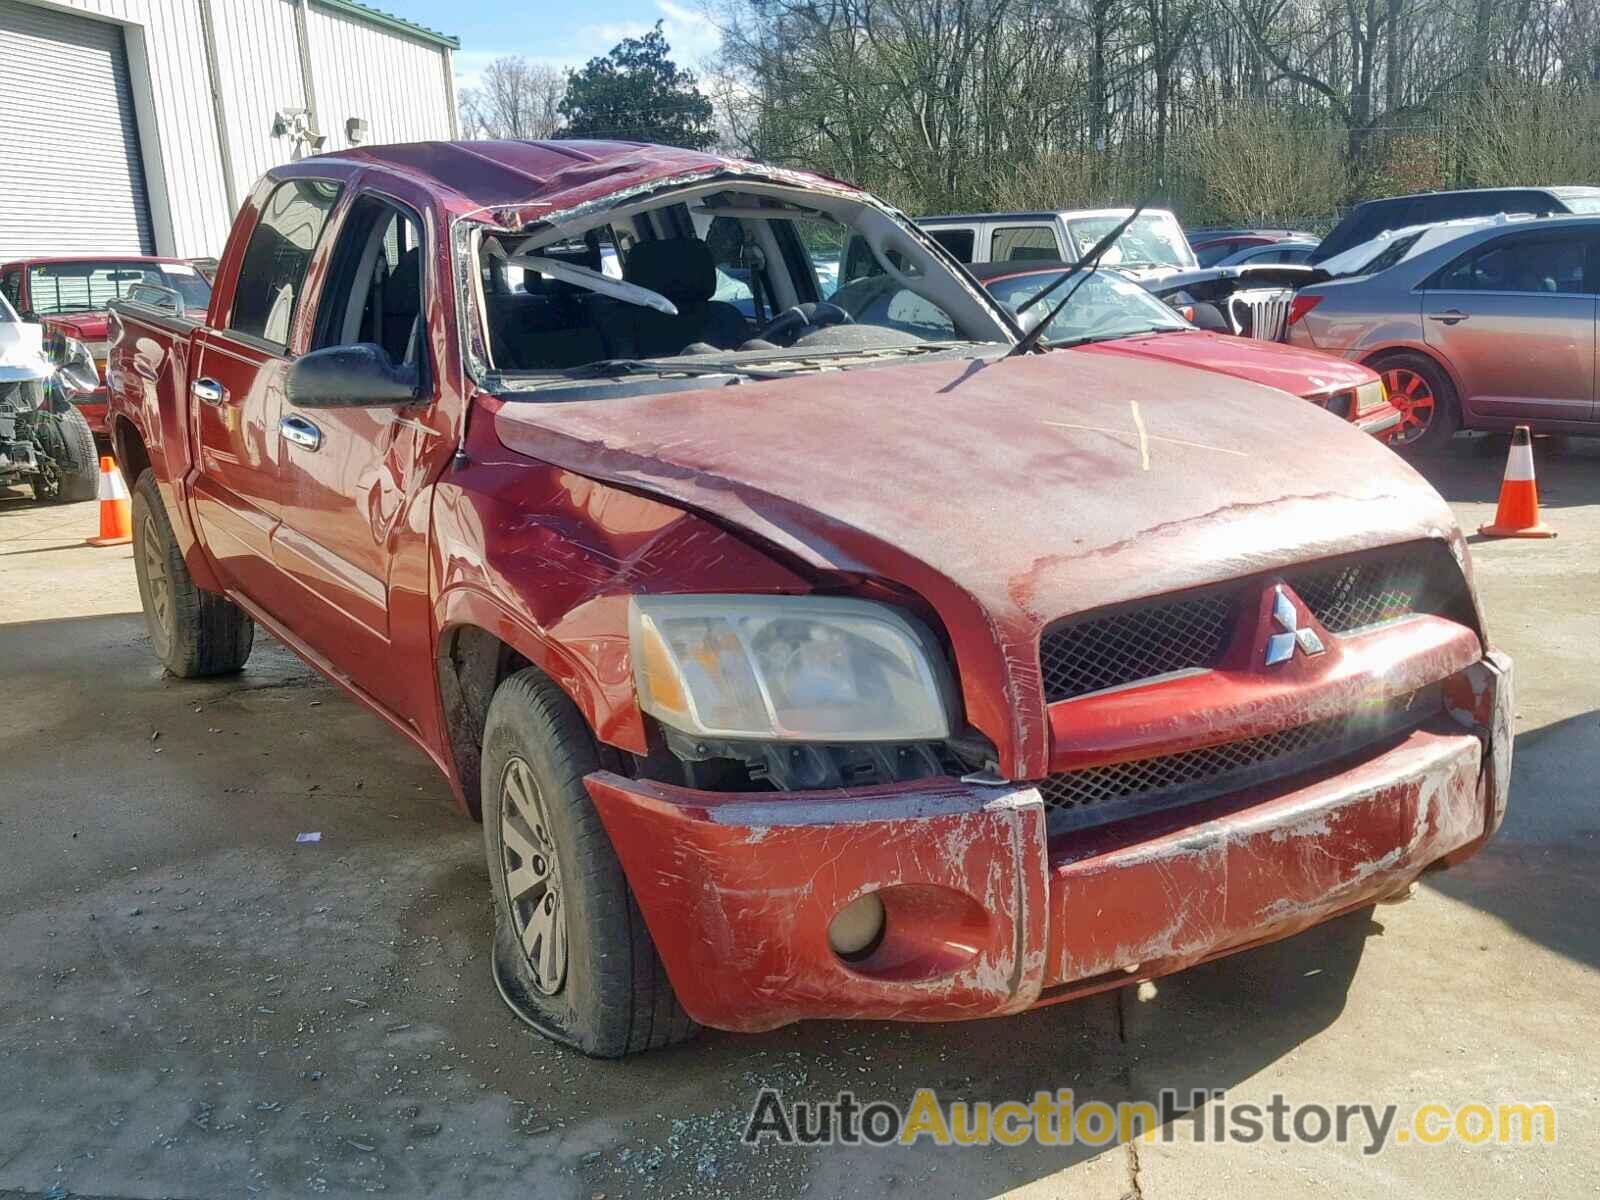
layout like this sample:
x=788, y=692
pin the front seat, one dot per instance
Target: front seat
x=402, y=307
x=682, y=270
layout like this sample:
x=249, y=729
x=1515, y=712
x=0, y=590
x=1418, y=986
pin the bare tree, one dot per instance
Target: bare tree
x=514, y=99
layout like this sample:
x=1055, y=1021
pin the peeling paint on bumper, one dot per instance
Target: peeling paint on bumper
x=987, y=917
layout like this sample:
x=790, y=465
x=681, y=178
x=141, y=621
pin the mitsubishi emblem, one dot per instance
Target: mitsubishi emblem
x=1280, y=646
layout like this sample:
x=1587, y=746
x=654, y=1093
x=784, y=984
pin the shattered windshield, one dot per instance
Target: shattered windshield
x=1153, y=240
x=721, y=282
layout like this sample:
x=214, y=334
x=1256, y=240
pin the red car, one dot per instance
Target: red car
x=69, y=294
x=829, y=659
x=1109, y=314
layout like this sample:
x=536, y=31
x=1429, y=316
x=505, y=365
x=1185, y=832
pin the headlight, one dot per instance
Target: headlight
x=800, y=668
x=1370, y=396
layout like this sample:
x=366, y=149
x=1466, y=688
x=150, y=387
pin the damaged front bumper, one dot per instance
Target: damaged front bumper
x=985, y=914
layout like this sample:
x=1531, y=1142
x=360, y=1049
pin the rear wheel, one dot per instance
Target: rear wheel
x=193, y=632
x=1419, y=388
x=572, y=956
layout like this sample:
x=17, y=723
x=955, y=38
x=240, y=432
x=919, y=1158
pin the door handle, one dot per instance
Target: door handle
x=301, y=432
x=208, y=391
x=1450, y=316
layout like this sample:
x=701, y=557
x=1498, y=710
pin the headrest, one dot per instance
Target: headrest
x=681, y=269
x=402, y=292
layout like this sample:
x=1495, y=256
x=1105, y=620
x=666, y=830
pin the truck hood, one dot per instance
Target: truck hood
x=87, y=327
x=1006, y=494
x=1287, y=368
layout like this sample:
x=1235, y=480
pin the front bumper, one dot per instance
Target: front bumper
x=1380, y=423
x=987, y=916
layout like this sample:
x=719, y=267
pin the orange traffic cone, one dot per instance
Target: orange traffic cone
x=1518, y=514
x=116, y=510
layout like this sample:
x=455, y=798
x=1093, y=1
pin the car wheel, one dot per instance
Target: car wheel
x=572, y=956
x=193, y=632
x=1420, y=389
x=76, y=476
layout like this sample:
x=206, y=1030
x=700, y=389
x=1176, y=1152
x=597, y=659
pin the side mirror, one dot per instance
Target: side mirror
x=358, y=376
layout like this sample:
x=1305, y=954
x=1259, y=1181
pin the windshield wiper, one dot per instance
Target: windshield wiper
x=617, y=367
x=1086, y=264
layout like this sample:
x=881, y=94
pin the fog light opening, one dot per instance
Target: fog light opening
x=857, y=929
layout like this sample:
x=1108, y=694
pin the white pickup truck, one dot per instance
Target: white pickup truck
x=1153, y=245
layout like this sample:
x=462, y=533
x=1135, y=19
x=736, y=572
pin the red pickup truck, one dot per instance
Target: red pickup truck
x=804, y=649
x=68, y=294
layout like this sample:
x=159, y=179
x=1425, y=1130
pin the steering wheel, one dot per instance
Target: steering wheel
x=786, y=328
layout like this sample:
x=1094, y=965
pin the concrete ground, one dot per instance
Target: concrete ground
x=196, y=1005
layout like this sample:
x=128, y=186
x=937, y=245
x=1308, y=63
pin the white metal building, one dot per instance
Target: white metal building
x=132, y=126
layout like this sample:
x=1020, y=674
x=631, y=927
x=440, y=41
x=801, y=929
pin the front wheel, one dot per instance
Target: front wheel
x=572, y=956
x=73, y=472
x=1420, y=389
x=193, y=632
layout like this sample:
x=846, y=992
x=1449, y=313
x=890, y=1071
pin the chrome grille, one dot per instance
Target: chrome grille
x=1261, y=313
x=1154, y=639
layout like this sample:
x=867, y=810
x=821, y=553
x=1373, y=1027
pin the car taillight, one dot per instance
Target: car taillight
x=1301, y=305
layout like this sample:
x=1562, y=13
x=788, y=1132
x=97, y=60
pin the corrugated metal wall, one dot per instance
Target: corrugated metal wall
x=258, y=60
x=401, y=90
x=396, y=83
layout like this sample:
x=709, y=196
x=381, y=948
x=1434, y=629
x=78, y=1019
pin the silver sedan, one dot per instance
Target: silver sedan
x=1488, y=330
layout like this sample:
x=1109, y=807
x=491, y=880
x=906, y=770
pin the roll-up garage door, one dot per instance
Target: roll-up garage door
x=71, y=180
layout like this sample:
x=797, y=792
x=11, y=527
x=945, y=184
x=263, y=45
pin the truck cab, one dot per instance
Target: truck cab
x=69, y=294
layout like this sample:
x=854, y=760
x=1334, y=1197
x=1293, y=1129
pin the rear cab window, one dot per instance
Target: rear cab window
x=91, y=285
x=271, y=277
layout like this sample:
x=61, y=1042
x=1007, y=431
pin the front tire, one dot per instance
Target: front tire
x=193, y=632
x=76, y=473
x=1422, y=391
x=572, y=956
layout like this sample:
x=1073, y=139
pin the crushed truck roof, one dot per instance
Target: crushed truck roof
x=530, y=178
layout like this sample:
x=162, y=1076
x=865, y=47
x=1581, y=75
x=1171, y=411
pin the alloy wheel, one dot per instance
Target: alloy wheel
x=1413, y=396
x=533, y=877
x=158, y=583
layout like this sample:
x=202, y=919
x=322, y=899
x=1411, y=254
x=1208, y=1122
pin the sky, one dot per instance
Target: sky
x=564, y=33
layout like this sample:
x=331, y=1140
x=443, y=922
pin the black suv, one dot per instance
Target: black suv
x=1371, y=217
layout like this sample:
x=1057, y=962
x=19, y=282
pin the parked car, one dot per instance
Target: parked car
x=44, y=441
x=1212, y=246
x=1250, y=301
x=69, y=295
x=1488, y=330
x=1368, y=219
x=1152, y=246
x=1394, y=245
x=1110, y=314
x=827, y=665
x=1286, y=250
